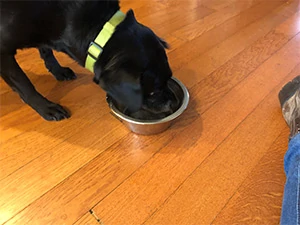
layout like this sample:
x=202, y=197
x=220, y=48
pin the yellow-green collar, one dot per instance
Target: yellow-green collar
x=96, y=46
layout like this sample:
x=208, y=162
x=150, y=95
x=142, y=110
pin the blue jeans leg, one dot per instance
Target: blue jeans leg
x=290, y=214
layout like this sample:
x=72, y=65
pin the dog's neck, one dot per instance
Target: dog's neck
x=86, y=21
x=96, y=46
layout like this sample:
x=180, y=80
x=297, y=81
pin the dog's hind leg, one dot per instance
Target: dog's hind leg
x=60, y=73
x=18, y=81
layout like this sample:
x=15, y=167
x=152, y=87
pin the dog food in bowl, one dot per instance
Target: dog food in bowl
x=158, y=110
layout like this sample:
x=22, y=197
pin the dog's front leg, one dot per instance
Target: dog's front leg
x=60, y=73
x=18, y=81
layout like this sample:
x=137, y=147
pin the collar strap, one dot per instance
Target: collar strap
x=96, y=46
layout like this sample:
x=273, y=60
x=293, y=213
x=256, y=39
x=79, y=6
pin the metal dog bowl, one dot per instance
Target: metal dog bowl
x=148, y=127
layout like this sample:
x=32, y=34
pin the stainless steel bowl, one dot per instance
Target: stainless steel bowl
x=149, y=127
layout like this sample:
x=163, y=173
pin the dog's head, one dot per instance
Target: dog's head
x=133, y=64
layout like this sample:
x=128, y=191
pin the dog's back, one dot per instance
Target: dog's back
x=35, y=23
x=29, y=24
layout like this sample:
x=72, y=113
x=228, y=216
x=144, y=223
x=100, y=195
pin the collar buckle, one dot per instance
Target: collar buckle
x=94, y=51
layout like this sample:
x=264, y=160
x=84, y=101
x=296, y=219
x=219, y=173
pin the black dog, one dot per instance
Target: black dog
x=133, y=63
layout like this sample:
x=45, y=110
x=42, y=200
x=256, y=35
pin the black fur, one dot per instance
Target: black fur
x=133, y=63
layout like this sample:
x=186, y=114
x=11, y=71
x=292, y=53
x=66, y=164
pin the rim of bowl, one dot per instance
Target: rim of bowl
x=178, y=112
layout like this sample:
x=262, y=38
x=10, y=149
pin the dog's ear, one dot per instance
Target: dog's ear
x=124, y=88
x=130, y=16
x=164, y=43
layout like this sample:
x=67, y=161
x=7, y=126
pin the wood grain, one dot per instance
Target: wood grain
x=214, y=171
x=219, y=163
x=175, y=19
x=180, y=56
x=141, y=187
x=32, y=181
x=258, y=200
x=87, y=219
x=213, y=20
x=236, y=48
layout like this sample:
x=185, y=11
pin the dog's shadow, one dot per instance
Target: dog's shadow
x=94, y=98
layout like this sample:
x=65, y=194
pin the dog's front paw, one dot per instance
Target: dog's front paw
x=64, y=73
x=53, y=112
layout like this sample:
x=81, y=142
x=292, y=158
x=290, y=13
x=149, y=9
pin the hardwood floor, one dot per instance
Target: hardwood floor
x=220, y=163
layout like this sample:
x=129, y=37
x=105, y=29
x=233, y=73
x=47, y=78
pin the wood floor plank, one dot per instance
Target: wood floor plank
x=181, y=3
x=213, y=20
x=230, y=54
x=288, y=11
x=252, y=36
x=142, y=8
x=55, y=93
x=87, y=219
x=216, y=180
x=173, y=42
x=291, y=26
x=46, y=132
x=14, y=155
x=120, y=206
x=187, y=52
x=166, y=15
x=24, y=186
x=94, y=181
x=172, y=20
x=238, y=69
x=259, y=199
x=218, y=4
